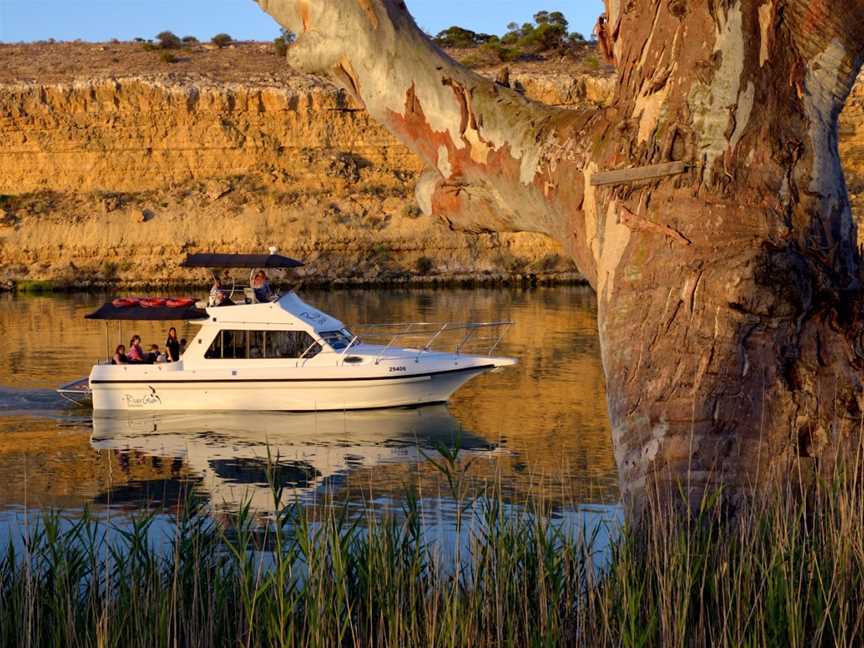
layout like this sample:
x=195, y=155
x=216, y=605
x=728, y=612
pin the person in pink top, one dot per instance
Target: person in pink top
x=136, y=353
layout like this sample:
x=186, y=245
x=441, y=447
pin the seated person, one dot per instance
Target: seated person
x=120, y=356
x=218, y=295
x=136, y=353
x=156, y=356
x=261, y=286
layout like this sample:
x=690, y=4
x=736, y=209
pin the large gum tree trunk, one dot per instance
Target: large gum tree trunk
x=723, y=253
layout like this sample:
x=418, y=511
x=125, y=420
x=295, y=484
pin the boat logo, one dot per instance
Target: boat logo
x=143, y=401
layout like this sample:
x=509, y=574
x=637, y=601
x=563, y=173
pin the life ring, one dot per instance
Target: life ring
x=153, y=302
x=125, y=302
x=182, y=302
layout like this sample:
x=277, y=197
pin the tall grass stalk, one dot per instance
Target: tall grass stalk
x=784, y=571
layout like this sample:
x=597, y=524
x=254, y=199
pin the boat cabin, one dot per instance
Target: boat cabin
x=284, y=329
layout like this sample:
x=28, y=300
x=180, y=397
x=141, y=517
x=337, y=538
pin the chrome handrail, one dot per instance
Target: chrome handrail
x=354, y=341
x=410, y=330
x=308, y=349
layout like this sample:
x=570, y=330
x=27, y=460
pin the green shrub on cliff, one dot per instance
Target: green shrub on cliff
x=168, y=40
x=462, y=38
x=221, y=40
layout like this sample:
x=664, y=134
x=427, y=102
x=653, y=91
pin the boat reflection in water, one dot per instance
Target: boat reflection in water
x=228, y=451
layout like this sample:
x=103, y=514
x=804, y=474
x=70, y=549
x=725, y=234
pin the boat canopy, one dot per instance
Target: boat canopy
x=143, y=314
x=250, y=261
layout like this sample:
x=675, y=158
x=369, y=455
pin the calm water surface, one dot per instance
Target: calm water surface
x=540, y=429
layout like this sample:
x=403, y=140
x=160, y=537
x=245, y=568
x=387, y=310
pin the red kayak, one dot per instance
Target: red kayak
x=182, y=302
x=153, y=302
x=125, y=302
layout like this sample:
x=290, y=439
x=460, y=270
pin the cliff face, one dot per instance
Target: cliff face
x=114, y=177
x=117, y=178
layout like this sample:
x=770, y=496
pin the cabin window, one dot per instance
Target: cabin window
x=290, y=344
x=254, y=345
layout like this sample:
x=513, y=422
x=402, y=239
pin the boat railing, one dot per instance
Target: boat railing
x=481, y=338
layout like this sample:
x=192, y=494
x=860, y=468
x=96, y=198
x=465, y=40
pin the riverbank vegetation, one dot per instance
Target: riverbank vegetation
x=781, y=572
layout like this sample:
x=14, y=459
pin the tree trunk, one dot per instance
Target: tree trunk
x=725, y=259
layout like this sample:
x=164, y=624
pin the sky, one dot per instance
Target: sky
x=102, y=20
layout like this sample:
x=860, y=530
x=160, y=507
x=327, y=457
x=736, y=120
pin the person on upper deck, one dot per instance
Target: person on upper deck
x=120, y=355
x=172, y=345
x=218, y=295
x=261, y=286
x=136, y=353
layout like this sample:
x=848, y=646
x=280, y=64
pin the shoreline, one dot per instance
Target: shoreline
x=474, y=280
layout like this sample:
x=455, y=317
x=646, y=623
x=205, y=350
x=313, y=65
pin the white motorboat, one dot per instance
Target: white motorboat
x=280, y=354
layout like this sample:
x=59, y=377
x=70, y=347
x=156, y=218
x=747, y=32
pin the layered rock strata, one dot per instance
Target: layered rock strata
x=113, y=178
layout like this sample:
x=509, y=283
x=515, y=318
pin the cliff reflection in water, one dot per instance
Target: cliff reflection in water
x=541, y=426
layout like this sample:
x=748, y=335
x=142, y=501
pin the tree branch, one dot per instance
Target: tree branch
x=496, y=160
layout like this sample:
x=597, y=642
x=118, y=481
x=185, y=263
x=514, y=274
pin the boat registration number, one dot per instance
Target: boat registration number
x=393, y=369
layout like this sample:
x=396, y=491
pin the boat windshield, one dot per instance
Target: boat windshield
x=337, y=340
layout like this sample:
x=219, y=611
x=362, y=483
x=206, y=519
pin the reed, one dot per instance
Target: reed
x=784, y=571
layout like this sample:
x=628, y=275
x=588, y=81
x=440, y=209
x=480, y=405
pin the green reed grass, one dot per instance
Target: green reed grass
x=783, y=571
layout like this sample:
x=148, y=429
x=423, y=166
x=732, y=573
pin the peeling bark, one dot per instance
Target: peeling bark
x=729, y=295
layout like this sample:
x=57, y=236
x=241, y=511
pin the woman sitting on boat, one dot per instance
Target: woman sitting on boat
x=120, y=356
x=218, y=296
x=136, y=353
x=261, y=286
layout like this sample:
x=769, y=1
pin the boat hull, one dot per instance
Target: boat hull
x=282, y=395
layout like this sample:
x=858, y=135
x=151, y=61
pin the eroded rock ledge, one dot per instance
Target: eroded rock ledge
x=112, y=177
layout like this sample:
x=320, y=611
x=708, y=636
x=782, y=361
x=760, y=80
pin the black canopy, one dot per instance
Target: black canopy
x=141, y=314
x=239, y=261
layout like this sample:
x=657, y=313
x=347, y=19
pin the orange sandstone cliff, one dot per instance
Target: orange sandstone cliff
x=114, y=164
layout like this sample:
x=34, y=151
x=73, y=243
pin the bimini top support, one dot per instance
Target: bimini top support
x=250, y=261
x=138, y=313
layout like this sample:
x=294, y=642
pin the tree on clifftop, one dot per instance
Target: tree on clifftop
x=706, y=205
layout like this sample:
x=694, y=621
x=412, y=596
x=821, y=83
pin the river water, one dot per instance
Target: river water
x=539, y=429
